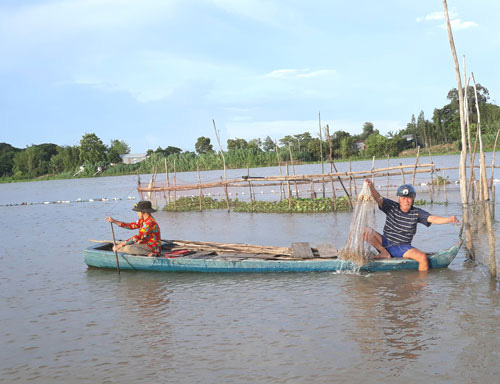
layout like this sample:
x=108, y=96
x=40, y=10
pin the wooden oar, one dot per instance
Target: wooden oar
x=116, y=252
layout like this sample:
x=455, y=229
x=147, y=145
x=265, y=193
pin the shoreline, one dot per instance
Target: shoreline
x=51, y=177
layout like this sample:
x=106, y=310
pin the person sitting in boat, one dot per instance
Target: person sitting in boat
x=401, y=225
x=148, y=241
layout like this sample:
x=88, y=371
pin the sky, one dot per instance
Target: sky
x=155, y=73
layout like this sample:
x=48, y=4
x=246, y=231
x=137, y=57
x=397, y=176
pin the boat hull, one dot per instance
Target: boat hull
x=96, y=257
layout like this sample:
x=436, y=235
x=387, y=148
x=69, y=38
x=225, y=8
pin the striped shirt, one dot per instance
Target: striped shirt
x=400, y=227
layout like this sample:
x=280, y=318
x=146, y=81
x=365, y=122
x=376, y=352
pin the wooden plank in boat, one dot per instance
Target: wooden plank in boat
x=327, y=250
x=302, y=250
x=200, y=255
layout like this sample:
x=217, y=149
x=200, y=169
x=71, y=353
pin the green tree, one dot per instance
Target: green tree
x=7, y=153
x=34, y=160
x=347, y=148
x=114, y=156
x=203, y=145
x=66, y=159
x=287, y=141
x=377, y=145
x=120, y=147
x=368, y=129
x=302, y=140
x=268, y=145
x=233, y=144
x=92, y=149
x=255, y=144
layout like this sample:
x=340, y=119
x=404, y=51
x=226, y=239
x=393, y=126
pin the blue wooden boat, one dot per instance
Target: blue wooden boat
x=102, y=256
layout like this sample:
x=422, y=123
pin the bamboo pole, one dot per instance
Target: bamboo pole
x=444, y=188
x=228, y=247
x=175, y=185
x=432, y=174
x=482, y=170
x=493, y=161
x=139, y=185
x=321, y=153
x=387, y=180
x=168, y=181
x=282, y=191
x=313, y=192
x=293, y=170
x=354, y=182
x=463, y=153
x=491, y=240
x=492, y=187
x=416, y=164
x=199, y=185
x=350, y=178
x=226, y=193
x=334, y=195
x=289, y=188
x=300, y=178
x=332, y=163
x=373, y=168
x=220, y=149
x=250, y=188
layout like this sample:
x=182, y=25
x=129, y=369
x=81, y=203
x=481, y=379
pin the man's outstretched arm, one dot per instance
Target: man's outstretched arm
x=442, y=220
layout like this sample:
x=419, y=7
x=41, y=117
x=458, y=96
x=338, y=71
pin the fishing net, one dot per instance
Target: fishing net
x=356, y=248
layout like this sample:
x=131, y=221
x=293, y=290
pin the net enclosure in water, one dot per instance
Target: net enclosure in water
x=356, y=248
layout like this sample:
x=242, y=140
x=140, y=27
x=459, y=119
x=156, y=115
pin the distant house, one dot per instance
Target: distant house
x=408, y=137
x=133, y=158
x=359, y=146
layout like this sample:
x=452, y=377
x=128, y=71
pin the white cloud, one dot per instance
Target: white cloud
x=458, y=24
x=455, y=22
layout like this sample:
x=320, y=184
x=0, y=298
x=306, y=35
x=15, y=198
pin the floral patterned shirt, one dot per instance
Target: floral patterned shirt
x=149, y=233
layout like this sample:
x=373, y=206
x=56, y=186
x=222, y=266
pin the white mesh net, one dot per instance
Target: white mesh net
x=356, y=248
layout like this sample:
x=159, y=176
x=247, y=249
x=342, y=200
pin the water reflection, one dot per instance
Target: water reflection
x=389, y=316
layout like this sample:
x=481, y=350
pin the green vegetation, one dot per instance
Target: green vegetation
x=93, y=157
x=298, y=205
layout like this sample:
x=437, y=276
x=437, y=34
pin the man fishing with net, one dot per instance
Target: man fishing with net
x=401, y=225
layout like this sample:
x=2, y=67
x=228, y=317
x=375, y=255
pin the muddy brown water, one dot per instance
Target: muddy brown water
x=63, y=323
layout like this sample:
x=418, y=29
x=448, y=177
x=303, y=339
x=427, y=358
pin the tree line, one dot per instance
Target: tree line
x=92, y=154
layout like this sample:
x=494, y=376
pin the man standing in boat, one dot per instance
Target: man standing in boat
x=401, y=225
x=148, y=241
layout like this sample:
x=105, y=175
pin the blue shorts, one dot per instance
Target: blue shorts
x=395, y=250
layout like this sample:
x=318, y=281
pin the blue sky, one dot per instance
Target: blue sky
x=156, y=72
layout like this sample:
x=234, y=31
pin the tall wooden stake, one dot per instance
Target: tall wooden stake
x=220, y=149
x=293, y=170
x=289, y=188
x=226, y=193
x=463, y=153
x=332, y=163
x=416, y=165
x=387, y=180
x=282, y=190
x=175, y=186
x=199, y=184
x=321, y=153
x=168, y=181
